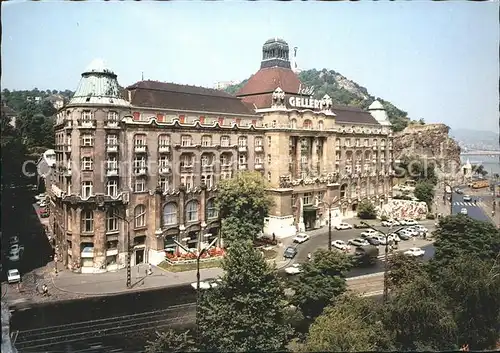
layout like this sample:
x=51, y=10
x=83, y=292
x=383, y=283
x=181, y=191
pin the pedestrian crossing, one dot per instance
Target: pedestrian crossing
x=470, y=204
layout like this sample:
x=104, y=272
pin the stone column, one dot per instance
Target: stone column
x=157, y=242
x=182, y=228
x=99, y=238
x=75, y=239
x=326, y=167
x=298, y=153
x=314, y=156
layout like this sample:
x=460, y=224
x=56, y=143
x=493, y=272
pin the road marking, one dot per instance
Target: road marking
x=376, y=274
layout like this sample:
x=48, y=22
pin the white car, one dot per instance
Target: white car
x=412, y=231
x=358, y=242
x=16, y=248
x=300, y=238
x=420, y=228
x=343, y=226
x=13, y=276
x=369, y=232
x=410, y=222
x=339, y=244
x=463, y=211
x=390, y=223
x=14, y=255
x=211, y=283
x=414, y=252
x=40, y=197
x=467, y=198
x=42, y=204
x=293, y=270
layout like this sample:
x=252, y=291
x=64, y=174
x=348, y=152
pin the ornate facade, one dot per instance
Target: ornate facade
x=140, y=166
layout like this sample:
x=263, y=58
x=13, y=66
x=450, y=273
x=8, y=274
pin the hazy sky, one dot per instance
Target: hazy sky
x=438, y=61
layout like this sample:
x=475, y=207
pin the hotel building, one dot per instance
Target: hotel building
x=137, y=168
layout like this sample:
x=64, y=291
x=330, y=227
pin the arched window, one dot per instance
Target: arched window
x=307, y=124
x=321, y=125
x=111, y=221
x=192, y=211
x=212, y=211
x=140, y=216
x=293, y=124
x=170, y=214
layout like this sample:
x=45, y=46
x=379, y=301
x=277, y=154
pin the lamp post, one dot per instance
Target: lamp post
x=198, y=258
x=129, y=250
x=386, y=277
x=330, y=204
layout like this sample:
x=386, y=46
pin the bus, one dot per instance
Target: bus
x=479, y=184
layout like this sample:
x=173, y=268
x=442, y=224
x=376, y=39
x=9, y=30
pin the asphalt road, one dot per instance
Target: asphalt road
x=473, y=211
x=321, y=241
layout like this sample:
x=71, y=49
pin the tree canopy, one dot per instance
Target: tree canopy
x=171, y=342
x=247, y=311
x=243, y=204
x=366, y=210
x=321, y=280
x=424, y=191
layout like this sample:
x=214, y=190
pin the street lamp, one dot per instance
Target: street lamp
x=129, y=250
x=330, y=204
x=198, y=257
x=386, y=277
x=451, y=195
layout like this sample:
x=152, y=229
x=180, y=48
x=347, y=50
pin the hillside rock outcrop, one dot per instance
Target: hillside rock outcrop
x=432, y=143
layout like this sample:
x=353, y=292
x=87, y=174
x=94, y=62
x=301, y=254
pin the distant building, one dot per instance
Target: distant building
x=56, y=100
x=224, y=84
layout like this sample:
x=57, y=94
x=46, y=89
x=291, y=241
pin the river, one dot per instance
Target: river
x=491, y=163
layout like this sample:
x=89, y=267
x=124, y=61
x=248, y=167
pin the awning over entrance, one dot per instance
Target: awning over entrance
x=310, y=209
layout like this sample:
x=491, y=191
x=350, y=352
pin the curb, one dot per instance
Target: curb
x=371, y=275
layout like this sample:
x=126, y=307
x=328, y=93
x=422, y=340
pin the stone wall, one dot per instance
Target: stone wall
x=403, y=209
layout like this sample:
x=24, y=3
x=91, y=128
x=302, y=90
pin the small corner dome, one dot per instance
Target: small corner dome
x=376, y=105
x=98, y=65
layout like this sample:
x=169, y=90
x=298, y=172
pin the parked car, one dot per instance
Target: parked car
x=290, y=252
x=410, y=222
x=458, y=191
x=40, y=197
x=412, y=231
x=339, y=244
x=14, y=255
x=343, y=226
x=467, y=198
x=43, y=203
x=300, y=238
x=209, y=283
x=358, y=242
x=404, y=235
x=414, y=252
x=360, y=226
x=390, y=223
x=293, y=270
x=369, y=233
x=420, y=228
x=373, y=240
x=13, y=276
x=463, y=211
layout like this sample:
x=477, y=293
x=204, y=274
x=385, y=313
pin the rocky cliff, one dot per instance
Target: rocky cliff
x=432, y=142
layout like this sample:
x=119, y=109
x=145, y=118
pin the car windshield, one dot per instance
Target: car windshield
x=289, y=250
x=14, y=272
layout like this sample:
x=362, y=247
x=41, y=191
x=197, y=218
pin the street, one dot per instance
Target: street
x=474, y=211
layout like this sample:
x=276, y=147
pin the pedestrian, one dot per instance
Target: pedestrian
x=309, y=256
x=274, y=237
x=150, y=269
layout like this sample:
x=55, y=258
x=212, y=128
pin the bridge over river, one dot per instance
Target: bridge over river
x=480, y=153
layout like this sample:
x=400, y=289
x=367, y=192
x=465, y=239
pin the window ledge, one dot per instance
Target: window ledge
x=87, y=234
x=141, y=192
x=140, y=228
x=112, y=232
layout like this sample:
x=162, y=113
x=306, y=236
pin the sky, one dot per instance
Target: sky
x=436, y=60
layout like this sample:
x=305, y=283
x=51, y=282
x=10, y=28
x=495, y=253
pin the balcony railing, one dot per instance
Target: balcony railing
x=113, y=171
x=207, y=168
x=242, y=148
x=86, y=124
x=111, y=124
x=112, y=148
x=242, y=166
x=140, y=149
x=259, y=148
x=141, y=170
x=259, y=166
x=164, y=170
x=164, y=149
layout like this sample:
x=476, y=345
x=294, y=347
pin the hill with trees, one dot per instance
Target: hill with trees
x=343, y=92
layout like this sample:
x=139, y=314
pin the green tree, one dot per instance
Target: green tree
x=247, y=311
x=472, y=286
x=352, y=324
x=243, y=203
x=417, y=169
x=171, y=342
x=13, y=155
x=321, y=280
x=418, y=316
x=403, y=269
x=460, y=235
x=366, y=210
x=424, y=191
